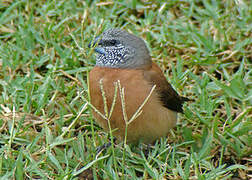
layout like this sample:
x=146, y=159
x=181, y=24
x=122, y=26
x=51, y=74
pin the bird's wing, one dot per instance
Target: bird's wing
x=168, y=96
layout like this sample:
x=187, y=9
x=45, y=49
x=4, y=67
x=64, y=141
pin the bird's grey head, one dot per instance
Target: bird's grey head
x=117, y=48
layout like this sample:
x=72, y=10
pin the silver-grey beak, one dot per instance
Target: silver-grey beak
x=95, y=42
x=100, y=50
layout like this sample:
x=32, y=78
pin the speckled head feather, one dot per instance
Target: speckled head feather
x=117, y=48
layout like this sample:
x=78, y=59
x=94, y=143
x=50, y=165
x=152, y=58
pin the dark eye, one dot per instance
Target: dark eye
x=111, y=42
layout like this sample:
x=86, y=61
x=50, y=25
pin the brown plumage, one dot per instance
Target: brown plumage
x=125, y=57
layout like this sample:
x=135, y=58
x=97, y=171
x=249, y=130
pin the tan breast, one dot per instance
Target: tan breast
x=155, y=119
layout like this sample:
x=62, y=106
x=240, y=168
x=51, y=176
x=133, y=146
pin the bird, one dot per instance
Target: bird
x=123, y=57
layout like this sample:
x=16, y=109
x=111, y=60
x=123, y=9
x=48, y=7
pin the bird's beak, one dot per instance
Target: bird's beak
x=95, y=43
x=100, y=50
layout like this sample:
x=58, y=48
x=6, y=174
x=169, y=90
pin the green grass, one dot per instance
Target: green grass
x=46, y=129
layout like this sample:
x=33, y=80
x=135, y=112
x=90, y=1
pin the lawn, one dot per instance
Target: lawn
x=46, y=129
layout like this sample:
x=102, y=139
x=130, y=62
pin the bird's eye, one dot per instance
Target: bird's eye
x=111, y=42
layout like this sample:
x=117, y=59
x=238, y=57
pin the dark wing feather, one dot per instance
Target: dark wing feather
x=168, y=96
